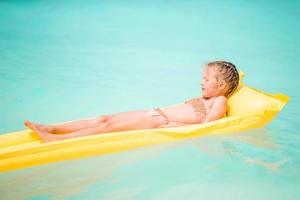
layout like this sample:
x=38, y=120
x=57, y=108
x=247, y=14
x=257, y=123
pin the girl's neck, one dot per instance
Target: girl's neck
x=207, y=98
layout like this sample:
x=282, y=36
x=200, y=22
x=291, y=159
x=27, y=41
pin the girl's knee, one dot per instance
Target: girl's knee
x=118, y=125
x=103, y=118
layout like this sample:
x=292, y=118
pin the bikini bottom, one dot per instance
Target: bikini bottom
x=162, y=114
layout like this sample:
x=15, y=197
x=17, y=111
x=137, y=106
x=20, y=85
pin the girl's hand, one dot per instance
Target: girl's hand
x=173, y=124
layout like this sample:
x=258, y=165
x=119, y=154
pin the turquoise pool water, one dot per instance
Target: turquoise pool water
x=66, y=60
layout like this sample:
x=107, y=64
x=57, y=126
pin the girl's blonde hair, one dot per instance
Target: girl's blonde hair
x=228, y=73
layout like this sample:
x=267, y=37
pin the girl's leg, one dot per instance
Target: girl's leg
x=68, y=127
x=72, y=126
x=138, y=121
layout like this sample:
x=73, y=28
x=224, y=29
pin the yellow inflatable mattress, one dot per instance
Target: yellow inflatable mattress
x=247, y=108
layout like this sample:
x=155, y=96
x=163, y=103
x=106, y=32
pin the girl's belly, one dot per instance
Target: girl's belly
x=182, y=113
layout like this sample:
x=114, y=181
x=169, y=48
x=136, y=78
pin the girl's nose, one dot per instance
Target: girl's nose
x=202, y=83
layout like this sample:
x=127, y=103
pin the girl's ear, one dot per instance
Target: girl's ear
x=222, y=84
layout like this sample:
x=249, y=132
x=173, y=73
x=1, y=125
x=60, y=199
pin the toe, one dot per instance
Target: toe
x=27, y=123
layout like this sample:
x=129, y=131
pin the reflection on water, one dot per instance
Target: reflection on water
x=62, y=180
x=268, y=165
x=261, y=138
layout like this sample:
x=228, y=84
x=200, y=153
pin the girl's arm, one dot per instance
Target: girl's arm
x=173, y=124
x=218, y=109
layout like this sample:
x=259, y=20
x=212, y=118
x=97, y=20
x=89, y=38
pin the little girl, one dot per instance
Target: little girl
x=220, y=80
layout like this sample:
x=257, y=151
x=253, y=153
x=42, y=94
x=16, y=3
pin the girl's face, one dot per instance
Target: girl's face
x=210, y=86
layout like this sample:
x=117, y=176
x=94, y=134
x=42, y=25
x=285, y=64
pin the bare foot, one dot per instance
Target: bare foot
x=47, y=137
x=45, y=128
x=28, y=124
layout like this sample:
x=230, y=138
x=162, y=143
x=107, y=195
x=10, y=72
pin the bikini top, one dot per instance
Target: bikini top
x=198, y=106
